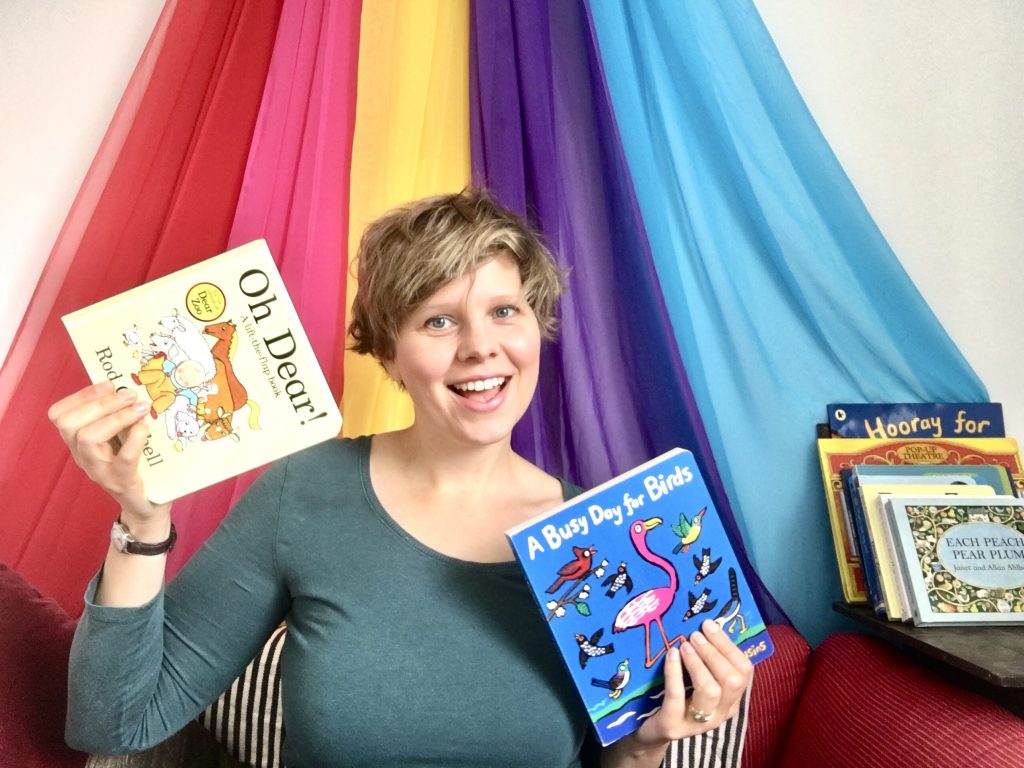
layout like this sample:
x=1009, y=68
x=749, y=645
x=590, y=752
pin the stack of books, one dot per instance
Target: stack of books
x=925, y=509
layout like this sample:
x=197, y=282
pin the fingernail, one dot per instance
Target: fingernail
x=126, y=394
x=140, y=407
x=673, y=653
x=698, y=638
x=687, y=648
x=711, y=627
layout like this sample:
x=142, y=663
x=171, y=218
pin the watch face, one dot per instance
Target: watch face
x=119, y=537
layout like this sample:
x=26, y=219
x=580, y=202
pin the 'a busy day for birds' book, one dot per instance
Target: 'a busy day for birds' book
x=217, y=352
x=627, y=569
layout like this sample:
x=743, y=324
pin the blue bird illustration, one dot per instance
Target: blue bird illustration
x=730, y=614
x=617, y=682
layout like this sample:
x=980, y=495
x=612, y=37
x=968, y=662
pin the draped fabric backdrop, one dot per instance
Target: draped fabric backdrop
x=726, y=282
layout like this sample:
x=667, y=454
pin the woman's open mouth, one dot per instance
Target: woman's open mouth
x=480, y=390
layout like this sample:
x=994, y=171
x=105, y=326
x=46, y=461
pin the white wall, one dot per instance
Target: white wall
x=920, y=99
x=63, y=67
x=923, y=104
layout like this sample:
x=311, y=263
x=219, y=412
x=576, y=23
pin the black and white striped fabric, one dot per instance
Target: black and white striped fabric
x=720, y=748
x=247, y=718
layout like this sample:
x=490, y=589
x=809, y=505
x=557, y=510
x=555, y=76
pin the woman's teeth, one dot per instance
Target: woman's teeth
x=481, y=385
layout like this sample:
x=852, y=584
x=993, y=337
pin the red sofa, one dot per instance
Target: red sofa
x=854, y=701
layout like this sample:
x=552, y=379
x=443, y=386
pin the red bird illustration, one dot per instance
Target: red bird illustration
x=575, y=569
x=648, y=607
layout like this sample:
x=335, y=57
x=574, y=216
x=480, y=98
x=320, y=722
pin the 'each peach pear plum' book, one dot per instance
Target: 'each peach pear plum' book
x=218, y=353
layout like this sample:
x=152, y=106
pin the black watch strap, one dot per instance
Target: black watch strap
x=133, y=547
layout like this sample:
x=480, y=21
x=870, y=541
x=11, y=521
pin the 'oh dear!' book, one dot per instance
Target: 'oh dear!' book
x=962, y=558
x=627, y=569
x=218, y=352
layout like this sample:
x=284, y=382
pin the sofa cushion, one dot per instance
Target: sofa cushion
x=35, y=640
x=777, y=684
x=246, y=719
x=866, y=704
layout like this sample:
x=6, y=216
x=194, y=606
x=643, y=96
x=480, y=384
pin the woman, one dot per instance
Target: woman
x=412, y=638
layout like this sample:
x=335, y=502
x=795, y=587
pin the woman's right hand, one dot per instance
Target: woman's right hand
x=106, y=431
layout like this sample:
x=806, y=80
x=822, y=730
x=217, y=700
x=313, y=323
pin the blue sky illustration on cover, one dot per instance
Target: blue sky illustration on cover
x=622, y=572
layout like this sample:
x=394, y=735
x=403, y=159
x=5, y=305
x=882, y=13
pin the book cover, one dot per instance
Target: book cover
x=857, y=476
x=218, y=352
x=904, y=420
x=836, y=454
x=962, y=560
x=894, y=602
x=627, y=569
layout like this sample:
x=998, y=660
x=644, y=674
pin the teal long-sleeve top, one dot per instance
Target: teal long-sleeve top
x=395, y=654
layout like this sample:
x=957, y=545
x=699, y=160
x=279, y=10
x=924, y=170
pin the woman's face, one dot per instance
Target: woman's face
x=469, y=355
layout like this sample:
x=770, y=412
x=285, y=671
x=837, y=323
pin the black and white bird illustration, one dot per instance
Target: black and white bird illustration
x=590, y=648
x=617, y=682
x=699, y=604
x=731, y=613
x=705, y=567
x=618, y=580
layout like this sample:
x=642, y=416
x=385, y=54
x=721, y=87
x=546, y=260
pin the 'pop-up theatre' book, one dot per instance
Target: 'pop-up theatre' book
x=626, y=570
x=218, y=352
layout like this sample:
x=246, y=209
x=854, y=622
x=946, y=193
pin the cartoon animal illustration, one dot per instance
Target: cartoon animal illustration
x=617, y=581
x=648, y=607
x=688, y=530
x=131, y=336
x=617, y=682
x=699, y=604
x=574, y=569
x=231, y=394
x=189, y=342
x=731, y=613
x=704, y=565
x=181, y=422
x=590, y=648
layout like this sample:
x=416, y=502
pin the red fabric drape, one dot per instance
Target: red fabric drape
x=169, y=200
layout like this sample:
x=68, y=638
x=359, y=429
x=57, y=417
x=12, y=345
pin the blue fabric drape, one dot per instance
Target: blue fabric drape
x=783, y=294
x=613, y=393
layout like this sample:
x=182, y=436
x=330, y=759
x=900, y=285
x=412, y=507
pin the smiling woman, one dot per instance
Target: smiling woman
x=412, y=636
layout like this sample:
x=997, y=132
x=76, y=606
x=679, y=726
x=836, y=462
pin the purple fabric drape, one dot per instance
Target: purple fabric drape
x=613, y=391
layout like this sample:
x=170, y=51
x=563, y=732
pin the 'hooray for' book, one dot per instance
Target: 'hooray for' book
x=218, y=352
x=626, y=570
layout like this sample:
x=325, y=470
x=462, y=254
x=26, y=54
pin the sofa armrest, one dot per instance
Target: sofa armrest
x=866, y=703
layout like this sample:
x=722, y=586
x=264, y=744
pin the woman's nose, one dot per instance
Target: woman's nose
x=477, y=341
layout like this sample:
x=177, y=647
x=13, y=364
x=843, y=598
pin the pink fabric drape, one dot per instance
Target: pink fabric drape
x=295, y=195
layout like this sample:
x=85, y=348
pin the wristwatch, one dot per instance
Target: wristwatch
x=124, y=541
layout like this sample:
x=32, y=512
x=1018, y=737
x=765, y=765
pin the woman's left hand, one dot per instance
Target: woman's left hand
x=719, y=673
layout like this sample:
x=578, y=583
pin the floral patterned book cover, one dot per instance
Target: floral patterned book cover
x=624, y=571
x=218, y=352
x=962, y=559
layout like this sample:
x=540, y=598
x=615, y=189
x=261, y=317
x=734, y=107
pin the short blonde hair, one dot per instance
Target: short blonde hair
x=411, y=251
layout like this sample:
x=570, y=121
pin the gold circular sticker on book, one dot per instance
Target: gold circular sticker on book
x=205, y=302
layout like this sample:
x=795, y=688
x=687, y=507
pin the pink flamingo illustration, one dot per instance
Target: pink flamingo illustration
x=649, y=606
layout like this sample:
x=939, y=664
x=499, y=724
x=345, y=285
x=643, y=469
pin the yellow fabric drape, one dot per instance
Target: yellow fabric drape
x=411, y=140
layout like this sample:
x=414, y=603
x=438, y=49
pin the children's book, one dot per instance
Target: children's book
x=904, y=420
x=962, y=559
x=626, y=570
x=894, y=603
x=836, y=454
x=218, y=353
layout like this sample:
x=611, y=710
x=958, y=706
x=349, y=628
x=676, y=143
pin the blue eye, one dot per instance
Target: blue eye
x=504, y=313
x=439, y=323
